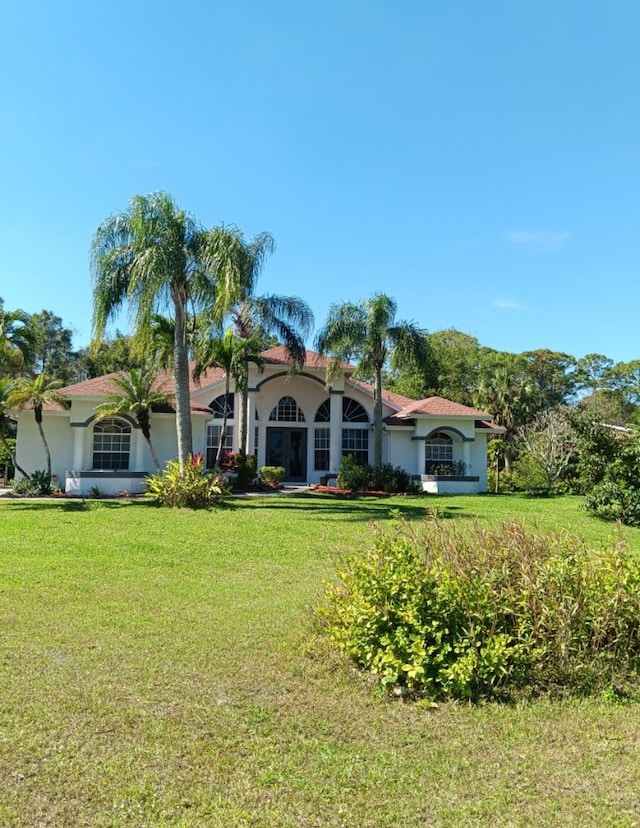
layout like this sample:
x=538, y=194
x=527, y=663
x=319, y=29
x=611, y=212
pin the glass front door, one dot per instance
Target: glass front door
x=288, y=447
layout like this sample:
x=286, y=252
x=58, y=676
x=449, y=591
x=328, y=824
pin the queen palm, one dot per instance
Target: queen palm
x=233, y=355
x=137, y=394
x=37, y=392
x=369, y=333
x=288, y=318
x=154, y=257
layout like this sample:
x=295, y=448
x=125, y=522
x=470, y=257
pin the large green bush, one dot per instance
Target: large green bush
x=384, y=478
x=472, y=612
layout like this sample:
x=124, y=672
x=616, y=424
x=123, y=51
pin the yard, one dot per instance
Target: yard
x=162, y=668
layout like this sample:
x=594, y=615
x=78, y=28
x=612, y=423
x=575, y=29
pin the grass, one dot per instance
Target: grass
x=161, y=668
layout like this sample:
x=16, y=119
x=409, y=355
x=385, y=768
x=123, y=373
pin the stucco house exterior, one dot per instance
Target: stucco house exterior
x=294, y=419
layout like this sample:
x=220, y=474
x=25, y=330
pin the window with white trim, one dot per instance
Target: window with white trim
x=355, y=442
x=111, y=445
x=217, y=406
x=438, y=451
x=353, y=412
x=287, y=411
x=213, y=439
x=322, y=444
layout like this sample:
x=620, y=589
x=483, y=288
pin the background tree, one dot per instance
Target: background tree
x=37, y=392
x=53, y=353
x=138, y=394
x=155, y=257
x=17, y=341
x=7, y=432
x=551, y=441
x=369, y=333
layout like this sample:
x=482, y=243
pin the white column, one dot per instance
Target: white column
x=139, y=444
x=78, y=448
x=466, y=457
x=335, y=430
x=251, y=420
x=419, y=456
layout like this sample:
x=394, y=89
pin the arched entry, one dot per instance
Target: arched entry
x=287, y=442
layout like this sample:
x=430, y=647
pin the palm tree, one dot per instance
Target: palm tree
x=368, y=333
x=17, y=340
x=233, y=355
x=6, y=386
x=137, y=394
x=155, y=256
x=37, y=392
x=288, y=318
x=510, y=398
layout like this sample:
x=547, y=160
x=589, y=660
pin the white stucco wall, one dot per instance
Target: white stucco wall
x=30, y=452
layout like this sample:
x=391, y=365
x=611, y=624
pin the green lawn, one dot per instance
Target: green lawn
x=161, y=668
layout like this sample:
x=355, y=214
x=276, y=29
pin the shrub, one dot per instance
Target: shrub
x=447, y=613
x=272, y=475
x=37, y=485
x=193, y=487
x=385, y=478
x=244, y=466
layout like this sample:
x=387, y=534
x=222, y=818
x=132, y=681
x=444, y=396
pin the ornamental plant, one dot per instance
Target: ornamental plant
x=445, y=612
x=191, y=487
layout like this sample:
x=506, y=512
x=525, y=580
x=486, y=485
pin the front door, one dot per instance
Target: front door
x=288, y=447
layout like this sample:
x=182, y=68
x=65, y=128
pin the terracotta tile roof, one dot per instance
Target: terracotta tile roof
x=483, y=424
x=439, y=407
x=396, y=400
x=279, y=356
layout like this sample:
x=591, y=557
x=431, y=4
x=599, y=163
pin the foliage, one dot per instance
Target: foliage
x=244, y=466
x=272, y=475
x=551, y=441
x=192, y=486
x=37, y=485
x=468, y=614
x=17, y=341
x=369, y=332
x=384, y=478
x=53, y=353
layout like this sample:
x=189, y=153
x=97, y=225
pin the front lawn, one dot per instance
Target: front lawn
x=161, y=668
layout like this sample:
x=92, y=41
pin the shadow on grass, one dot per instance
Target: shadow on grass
x=75, y=505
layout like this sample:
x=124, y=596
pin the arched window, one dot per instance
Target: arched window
x=438, y=452
x=217, y=406
x=287, y=411
x=111, y=445
x=323, y=414
x=353, y=412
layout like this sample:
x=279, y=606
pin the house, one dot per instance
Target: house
x=294, y=421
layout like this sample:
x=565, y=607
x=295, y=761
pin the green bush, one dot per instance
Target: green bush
x=613, y=500
x=245, y=468
x=472, y=613
x=362, y=478
x=38, y=485
x=192, y=487
x=272, y=475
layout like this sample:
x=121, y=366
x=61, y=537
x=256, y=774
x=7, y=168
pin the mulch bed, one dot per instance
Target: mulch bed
x=336, y=491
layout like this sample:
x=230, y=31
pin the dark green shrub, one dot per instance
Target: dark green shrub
x=467, y=614
x=245, y=468
x=613, y=500
x=38, y=485
x=192, y=486
x=272, y=475
x=362, y=478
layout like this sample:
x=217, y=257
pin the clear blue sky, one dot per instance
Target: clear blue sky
x=479, y=162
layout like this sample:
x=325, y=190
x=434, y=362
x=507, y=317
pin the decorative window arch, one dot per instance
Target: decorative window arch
x=323, y=414
x=353, y=412
x=438, y=451
x=111, y=448
x=218, y=406
x=287, y=411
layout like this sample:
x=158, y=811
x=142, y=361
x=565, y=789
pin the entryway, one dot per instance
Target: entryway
x=287, y=447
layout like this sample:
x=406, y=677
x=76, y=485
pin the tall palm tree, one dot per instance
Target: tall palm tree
x=37, y=392
x=138, y=395
x=368, y=332
x=17, y=341
x=153, y=257
x=288, y=318
x=6, y=386
x=233, y=355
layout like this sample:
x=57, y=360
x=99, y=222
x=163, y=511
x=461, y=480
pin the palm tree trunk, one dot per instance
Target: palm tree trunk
x=181, y=374
x=243, y=413
x=377, y=418
x=154, y=456
x=223, y=430
x=47, y=453
x=12, y=455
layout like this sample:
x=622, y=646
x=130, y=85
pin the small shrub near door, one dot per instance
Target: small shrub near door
x=191, y=486
x=472, y=613
x=272, y=475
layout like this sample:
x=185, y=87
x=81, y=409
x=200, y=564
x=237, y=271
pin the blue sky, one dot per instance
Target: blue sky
x=479, y=162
